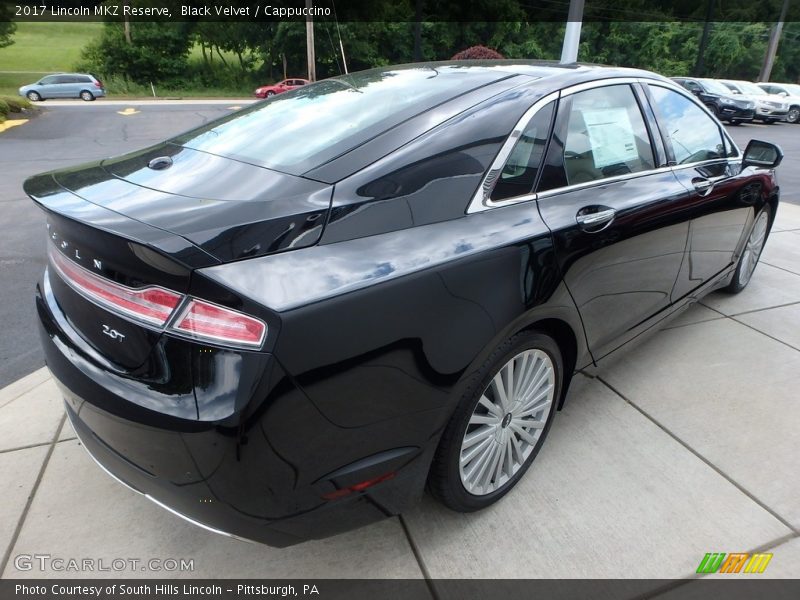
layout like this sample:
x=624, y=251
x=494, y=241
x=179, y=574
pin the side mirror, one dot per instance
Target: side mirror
x=696, y=92
x=765, y=155
x=783, y=94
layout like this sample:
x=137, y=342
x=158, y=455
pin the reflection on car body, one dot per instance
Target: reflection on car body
x=325, y=301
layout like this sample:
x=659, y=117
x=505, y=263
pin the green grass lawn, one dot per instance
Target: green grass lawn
x=42, y=48
x=47, y=47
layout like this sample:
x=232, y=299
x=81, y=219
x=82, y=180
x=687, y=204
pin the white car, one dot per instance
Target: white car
x=789, y=92
x=769, y=107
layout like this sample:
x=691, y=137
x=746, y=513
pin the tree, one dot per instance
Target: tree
x=158, y=52
x=7, y=26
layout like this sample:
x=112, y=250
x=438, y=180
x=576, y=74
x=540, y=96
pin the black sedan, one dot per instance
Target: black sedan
x=283, y=324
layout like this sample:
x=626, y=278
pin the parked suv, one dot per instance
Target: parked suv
x=64, y=85
x=769, y=107
x=789, y=91
x=719, y=100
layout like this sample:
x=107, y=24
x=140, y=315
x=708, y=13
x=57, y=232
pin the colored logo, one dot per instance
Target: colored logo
x=736, y=562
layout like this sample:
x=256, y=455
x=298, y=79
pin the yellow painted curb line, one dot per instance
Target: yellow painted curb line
x=10, y=124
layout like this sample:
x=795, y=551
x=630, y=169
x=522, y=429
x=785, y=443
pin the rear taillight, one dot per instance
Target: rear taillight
x=151, y=304
x=203, y=321
x=155, y=305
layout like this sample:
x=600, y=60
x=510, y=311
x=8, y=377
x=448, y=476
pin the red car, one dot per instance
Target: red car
x=268, y=91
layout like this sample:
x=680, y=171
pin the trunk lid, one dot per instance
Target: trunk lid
x=230, y=209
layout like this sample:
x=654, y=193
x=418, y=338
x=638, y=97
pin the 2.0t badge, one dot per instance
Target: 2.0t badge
x=113, y=333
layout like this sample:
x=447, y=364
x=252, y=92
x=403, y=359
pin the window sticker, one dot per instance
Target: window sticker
x=611, y=136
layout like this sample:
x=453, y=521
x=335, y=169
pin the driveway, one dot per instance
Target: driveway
x=687, y=445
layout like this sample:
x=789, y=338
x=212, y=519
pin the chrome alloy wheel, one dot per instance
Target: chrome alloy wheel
x=752, y=250
x=507, y=422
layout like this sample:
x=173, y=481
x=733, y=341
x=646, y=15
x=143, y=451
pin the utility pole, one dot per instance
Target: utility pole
x=572, y=34
x=126, y=23
x=312, y=63
x=772, y=46
x=699, y=65
x=418, y=30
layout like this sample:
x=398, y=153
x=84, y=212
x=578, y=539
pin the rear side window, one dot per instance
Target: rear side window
x=519, y=173
x=693, y=134
x=606, y=135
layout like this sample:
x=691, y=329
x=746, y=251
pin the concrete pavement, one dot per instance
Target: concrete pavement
x=686, y=445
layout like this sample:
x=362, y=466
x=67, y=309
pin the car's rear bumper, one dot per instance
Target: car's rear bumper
x=230, y=476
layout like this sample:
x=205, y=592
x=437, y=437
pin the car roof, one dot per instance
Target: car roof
x=478, y=81
x=550, y=72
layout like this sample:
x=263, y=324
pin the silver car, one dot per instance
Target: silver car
x=64, y=85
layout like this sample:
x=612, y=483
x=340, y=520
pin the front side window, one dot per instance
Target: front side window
x=48, y=80
x=519, y=173
x=606, y=135
x=694, y=135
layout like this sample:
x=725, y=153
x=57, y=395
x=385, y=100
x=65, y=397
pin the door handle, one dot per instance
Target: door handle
x=591, y=220
x=703, y=186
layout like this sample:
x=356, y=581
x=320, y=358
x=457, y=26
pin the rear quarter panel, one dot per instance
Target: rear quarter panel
x=381, y=327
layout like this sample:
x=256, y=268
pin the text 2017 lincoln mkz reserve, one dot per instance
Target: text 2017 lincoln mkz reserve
x=287, y=322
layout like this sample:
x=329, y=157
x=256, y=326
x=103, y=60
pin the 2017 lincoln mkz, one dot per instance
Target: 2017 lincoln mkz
x=285, y=323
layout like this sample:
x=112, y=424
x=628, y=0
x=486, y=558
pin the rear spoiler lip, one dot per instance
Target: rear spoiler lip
x=51, y=196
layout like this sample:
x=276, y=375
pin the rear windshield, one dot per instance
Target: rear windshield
x=304, y=128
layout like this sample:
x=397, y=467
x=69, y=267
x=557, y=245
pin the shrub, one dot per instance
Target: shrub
x=4, y=108
x=15, y=105
x=477, y=53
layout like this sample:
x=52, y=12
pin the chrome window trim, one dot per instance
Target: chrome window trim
x=600, y=182
x=480, y=201
x=589, y=85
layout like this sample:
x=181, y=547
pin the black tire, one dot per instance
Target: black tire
x=794, y=115
x=270, y=94
x=34, y=96
x=87, y=96
x=444, y=479
x=738, y=283
x=735, y=122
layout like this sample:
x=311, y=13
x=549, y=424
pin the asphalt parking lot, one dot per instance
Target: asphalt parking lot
x=64, y=133
x=686, y=445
